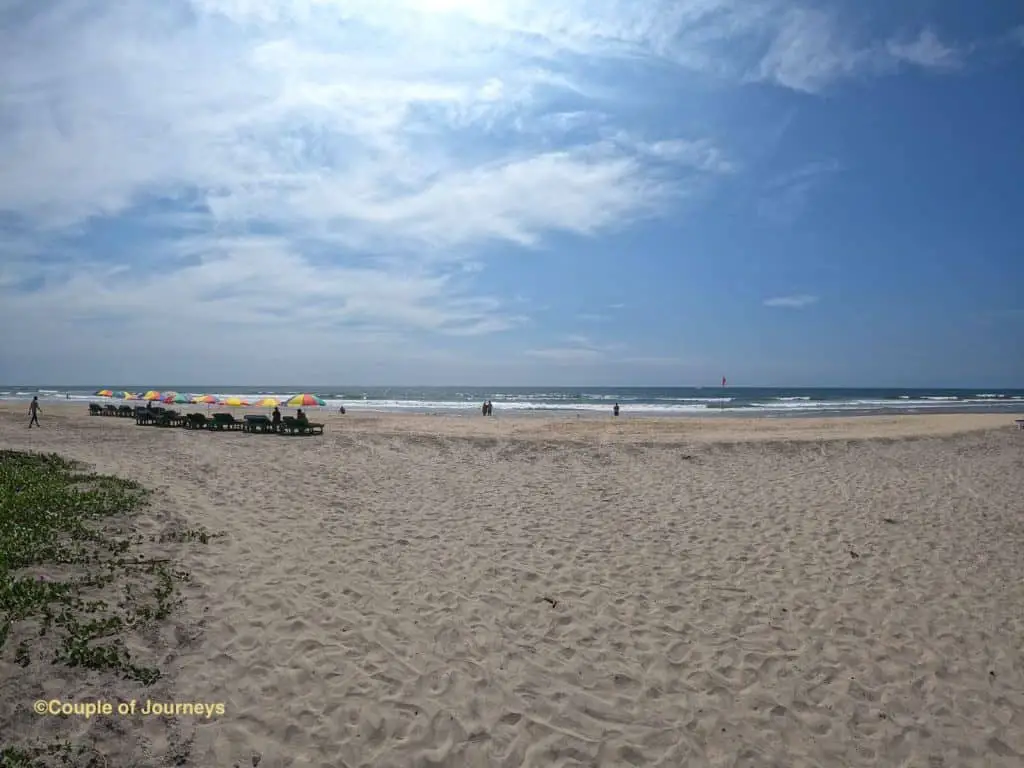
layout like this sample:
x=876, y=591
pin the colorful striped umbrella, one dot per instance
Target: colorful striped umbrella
x=125, y=395
x=207, y=399
x=267, y=402
x=234, y=400
x=174, y=397
x=152, y=395
x=105, y=393
x=305, y=399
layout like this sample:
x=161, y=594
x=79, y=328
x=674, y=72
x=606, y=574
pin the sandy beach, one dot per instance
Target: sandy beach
x=462, y=591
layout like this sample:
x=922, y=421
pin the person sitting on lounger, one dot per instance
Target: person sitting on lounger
x=300, y=416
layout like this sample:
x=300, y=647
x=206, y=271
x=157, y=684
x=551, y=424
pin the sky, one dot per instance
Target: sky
x=513, y=192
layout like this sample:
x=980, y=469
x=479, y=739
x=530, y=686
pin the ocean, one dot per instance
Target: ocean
x=653, y=401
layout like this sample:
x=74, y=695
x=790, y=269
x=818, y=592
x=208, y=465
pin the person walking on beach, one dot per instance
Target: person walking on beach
x=33, y=408
x=615, y=410
x=483, y=409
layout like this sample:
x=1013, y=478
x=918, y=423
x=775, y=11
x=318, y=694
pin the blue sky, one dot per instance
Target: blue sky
x=512, y=192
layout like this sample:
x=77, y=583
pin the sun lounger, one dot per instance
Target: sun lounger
x=95, y=409
x=145, y=416
x=225, y=421
x=257, y=424
x=170, y=419
x=125, y=410
x=1020, y=423
x=294, y=426
x=196, y=421
x=109, y=410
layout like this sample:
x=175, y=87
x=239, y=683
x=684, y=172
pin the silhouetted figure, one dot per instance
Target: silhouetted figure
x=483, y=408
x=615, y=410
x=33, y=408
x=275, y=419
x=342, y=410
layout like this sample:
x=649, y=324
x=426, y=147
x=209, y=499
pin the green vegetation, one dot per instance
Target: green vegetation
x=54, y=517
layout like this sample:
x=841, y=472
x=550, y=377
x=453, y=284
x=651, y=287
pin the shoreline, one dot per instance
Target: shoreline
x=602, y=427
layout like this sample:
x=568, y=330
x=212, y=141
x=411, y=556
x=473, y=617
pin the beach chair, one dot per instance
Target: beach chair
x=257, y=424
x=196, y=421
x=144, y=416
x=125, y=410
x=109, y=410
x=95, y=409
x=169, y=419
x=1020, y=423
x=225, y=421
x=294, y=426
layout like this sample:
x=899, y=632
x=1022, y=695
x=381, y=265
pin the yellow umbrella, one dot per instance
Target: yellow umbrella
x=267, y=402
x=306, y=399
x=233, y=400
x=207, y=399
x=152, y=395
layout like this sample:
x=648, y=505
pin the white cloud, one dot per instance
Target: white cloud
x=792, y=302
x=926, y=51
x=330, y=168
x=786, y=196
x=812, y=50
x=578, y=349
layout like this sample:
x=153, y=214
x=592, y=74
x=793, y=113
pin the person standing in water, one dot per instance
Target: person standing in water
x=33, y=408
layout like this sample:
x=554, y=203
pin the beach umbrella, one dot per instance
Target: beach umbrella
x=267, y=402
x=234, y=400
x=206, y=399
x=152, y=395
x=126, y=395
x=174, y=397
x=305, y=399
x=105, y=393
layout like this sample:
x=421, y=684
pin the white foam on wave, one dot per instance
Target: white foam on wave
x=538, y=403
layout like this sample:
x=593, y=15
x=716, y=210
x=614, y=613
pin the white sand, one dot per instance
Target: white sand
x=431, y=591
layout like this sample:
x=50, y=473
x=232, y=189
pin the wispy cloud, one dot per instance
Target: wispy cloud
x=792, y=302
x=812, y=50
x=926, y=51
x=785, y=197
x=577, y=349
x=326, y=168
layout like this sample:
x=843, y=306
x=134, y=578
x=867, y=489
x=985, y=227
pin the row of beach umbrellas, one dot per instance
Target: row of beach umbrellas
x=305, y=399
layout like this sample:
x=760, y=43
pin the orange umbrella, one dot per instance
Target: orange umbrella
x=152, y=395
